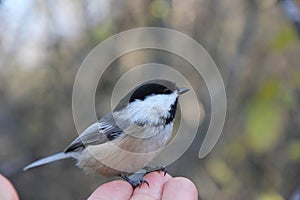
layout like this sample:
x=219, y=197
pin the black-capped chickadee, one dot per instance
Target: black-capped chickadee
x=127, y=139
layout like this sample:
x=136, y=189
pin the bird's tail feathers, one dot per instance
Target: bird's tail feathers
x=49, y=159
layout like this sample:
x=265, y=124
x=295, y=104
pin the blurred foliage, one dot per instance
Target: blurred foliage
x=221, y=172
x=264, y=118
x=285, y=38
x=160, y=9
x=293, y=150
x=42, y=45
x=270, y=196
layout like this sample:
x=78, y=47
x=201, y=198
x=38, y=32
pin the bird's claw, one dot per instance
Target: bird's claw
x=137, y=182
x=163, y=169
x=159, y=169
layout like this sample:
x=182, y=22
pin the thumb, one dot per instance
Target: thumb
x=7, y=190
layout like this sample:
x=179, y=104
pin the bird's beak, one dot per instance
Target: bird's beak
x=182, y=90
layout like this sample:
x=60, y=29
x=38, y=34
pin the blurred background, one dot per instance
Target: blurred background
x=255, y=45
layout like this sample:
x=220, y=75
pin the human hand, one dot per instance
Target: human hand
x=7, y=191
x=161, y=188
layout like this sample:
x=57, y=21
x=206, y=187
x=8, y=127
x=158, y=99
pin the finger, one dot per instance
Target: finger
x=7, y=190
x=114, y=190
x=180, y=188
x=154, y=191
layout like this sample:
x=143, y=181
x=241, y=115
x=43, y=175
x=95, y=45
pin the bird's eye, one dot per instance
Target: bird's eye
x=167, y=91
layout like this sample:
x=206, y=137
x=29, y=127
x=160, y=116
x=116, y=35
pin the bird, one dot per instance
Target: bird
x=127, y=139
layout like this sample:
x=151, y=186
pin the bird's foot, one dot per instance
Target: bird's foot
x=158, y=169
x=135, y=181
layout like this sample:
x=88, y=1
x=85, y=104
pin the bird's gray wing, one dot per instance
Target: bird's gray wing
x=98, y=133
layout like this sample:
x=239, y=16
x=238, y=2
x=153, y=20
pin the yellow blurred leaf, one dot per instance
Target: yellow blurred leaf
x=102, y=32
x=269, y=90
x=264, y=116
x=285, y=38
x=235, y=150
x=220, y=172
x=270, y=196
x=160, y=8
x=263, y=125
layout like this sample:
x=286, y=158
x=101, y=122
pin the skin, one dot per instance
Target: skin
x=7, y=191
x=161, y=188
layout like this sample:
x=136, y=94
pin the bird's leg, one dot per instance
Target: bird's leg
x=136, y=179
x=156, y=169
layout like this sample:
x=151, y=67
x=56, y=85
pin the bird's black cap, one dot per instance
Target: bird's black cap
x=157, y=86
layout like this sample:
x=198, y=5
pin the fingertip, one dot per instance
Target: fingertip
x=180, y=188
x=118, y=189
x=7, y=190
x=154, y=191
x=155, y=180
x=155, y=176
x=188, y=184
